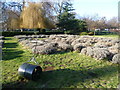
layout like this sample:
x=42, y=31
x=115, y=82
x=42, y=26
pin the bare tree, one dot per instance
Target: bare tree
x=10, y=15
x=95, y=22
x=113, y=23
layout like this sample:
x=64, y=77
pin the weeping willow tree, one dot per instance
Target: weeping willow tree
x=36, y=16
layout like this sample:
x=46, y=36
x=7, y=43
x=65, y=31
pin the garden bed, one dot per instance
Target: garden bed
x=64, y=69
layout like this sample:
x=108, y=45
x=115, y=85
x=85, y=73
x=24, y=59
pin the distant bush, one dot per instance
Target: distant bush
x=83, y=33
x=41, y=30
x=68, y=32
x=91, y=33
x=52, y=32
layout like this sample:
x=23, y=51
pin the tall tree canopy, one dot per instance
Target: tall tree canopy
x=36, y=16
x=68, y=22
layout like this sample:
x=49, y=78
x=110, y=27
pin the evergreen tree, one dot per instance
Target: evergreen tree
x=67, y=21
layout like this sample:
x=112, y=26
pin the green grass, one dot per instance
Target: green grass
x=109, y=36
x=65, y=69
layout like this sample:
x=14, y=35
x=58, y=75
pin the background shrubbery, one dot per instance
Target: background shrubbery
x=83, y=33
x=13, y=33
x=49, y=32
x=87, y=33
x=91, y=33
x=9, y=34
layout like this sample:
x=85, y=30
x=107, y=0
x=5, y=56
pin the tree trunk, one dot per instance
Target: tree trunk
x=94, y=32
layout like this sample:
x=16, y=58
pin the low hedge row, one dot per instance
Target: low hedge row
x=9, y=34
x=105, y=33
x=13, y=33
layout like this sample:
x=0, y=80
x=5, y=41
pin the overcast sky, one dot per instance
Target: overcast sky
x=107, y=8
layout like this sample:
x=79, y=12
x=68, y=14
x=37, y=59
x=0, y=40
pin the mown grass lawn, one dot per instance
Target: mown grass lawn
x=60, y=70
x=109, y=36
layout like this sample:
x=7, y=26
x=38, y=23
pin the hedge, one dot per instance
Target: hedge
x=10, y=34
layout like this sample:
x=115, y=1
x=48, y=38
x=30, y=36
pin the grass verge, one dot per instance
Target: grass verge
x=108, y=36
